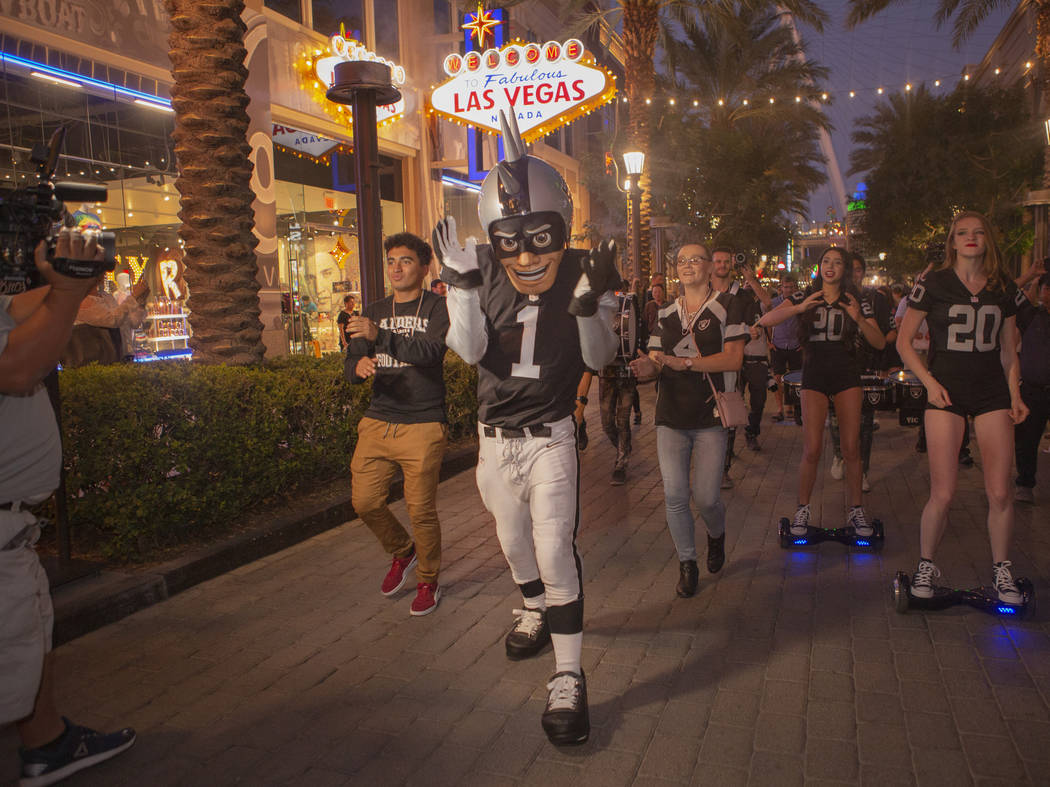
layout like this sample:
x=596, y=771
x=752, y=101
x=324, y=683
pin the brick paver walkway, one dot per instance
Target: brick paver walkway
x=787, y=668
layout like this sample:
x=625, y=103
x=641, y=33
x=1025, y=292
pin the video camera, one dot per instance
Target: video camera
x=36, y=213
x=739, y=260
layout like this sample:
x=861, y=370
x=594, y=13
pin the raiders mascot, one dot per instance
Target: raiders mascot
x=532, y=314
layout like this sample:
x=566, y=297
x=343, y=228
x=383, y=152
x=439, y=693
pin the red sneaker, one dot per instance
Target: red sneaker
x=397, y=576
x=428, y=594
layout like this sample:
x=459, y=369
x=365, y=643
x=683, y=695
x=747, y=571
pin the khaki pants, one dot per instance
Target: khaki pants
x=418, y=450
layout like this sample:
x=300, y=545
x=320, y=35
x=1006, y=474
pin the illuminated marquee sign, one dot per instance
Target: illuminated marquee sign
x=547, y=86
x=316, y=70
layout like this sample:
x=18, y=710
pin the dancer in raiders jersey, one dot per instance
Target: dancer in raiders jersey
x=969, y=304
x=698, y=345
x=830, y=315
x=533, y=314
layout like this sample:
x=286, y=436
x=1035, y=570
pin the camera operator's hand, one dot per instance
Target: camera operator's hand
x=74, y=245
x=44, y=316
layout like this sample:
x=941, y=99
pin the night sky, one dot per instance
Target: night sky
x=900, y=45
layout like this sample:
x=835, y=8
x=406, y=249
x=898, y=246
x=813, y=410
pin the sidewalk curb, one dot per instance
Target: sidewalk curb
x=98, y=601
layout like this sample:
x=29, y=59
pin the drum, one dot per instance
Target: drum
x=911, y=398
x=878, y=393
x=628, y=327
x=792, y=385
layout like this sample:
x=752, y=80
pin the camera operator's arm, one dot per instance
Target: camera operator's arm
x=25, y=303
x=35, y=344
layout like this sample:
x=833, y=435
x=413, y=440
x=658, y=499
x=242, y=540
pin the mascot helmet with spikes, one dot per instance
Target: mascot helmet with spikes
x=521, y=184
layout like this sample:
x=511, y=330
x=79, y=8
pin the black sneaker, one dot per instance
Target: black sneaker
x=922, y=580
x=77, y=749
x=688, y=579
x=752, y=443
x=567, y=720
x=716, y=553
x=1005, y=585
x=920, y=445
x=965, y=459
x=581, y=436
x=529, y=635
x=798, y=416
x=619, y=476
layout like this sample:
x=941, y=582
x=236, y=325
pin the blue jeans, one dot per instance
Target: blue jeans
x=704, y=450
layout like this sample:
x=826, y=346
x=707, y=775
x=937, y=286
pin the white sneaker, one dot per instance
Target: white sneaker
x=864, y=485
x=1005, y=585
x=858, y=520
x=922, y=579
x=800, y=524
x=836, y=468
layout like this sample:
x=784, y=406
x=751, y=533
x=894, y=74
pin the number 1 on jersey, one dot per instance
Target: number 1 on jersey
x=525, y=367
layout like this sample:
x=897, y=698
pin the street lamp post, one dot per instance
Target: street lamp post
x=365, y=85
x=634, y=162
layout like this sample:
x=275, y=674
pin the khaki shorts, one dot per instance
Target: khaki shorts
x=26, y=618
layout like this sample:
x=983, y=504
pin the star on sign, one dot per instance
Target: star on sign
x=481, y=25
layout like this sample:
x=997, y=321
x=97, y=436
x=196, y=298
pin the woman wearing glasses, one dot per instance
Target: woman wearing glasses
x=830, y=313
x=698, y=342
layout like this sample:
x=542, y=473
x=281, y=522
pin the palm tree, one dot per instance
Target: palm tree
x=968, y=17
x=206, y=46
x=644, y=24
x=745, y=167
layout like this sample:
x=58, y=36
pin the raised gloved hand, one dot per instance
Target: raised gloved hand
x=599, y=276
x=459, y=264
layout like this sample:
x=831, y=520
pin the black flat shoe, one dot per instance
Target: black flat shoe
x=688, y=579
x=716, y=553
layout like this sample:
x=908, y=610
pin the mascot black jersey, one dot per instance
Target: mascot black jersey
x=532, y=365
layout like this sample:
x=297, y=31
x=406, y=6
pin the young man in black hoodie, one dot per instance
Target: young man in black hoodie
x=400, y=340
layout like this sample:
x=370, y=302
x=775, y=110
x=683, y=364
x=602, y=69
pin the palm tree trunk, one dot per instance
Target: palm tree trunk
x=211, y=123
x=641, y=24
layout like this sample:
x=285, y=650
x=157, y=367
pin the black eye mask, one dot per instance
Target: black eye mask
x=524, y=237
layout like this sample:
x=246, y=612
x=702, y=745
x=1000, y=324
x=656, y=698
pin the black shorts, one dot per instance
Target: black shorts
x=785, y=361
x=830, y=378
x=974, y=395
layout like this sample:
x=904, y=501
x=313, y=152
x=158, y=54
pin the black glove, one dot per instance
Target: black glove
x=599, y=268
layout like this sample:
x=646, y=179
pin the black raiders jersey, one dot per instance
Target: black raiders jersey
x=964, y=328
x=827, y=340
x=533, y=362
x=684, y=400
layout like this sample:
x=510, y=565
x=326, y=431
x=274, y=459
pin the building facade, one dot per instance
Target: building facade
x=101, y=70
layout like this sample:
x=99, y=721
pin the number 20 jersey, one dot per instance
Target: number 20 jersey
x=964, y=328
x=533, y=362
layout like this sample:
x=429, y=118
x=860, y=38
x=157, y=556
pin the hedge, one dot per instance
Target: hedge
x=165, y=453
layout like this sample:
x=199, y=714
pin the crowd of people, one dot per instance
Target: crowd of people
x=539, y=320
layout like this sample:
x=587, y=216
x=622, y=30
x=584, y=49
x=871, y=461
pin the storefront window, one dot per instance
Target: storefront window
x=318, y=254
x=462, y=205
x=442, y=17
x=288, y=8
x=127, y=149
x=386, y=31
x=328, y=14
